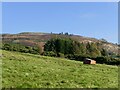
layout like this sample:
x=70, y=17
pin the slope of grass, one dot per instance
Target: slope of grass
x=20, y=70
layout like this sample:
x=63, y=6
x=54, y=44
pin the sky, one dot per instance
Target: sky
x=90, y=19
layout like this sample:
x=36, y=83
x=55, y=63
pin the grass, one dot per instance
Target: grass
x=20, y=70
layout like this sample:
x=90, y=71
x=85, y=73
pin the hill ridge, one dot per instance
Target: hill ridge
x=40, y=37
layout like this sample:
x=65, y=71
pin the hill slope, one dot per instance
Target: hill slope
x=32, y=38
x=22, y=70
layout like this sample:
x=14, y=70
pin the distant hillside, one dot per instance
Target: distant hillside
x=33, y=38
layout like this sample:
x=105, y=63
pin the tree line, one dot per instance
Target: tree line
x=69, y=46
x=66, y=48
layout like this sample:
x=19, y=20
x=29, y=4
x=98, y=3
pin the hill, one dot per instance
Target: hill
x=33, y=38
x=21, y=70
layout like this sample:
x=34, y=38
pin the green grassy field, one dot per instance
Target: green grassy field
x=20, y=70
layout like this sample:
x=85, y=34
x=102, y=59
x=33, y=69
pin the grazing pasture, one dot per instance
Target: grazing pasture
x=21, y=70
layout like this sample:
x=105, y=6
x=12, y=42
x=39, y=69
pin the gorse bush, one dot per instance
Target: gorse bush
x=20, y=48
x=60, y=55
x=50, y=53
x=108, y=60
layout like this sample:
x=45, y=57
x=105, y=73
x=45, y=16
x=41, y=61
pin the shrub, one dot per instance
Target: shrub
x=69, y=56
x=100, y=60
x=20, y=48
x=60, y=55
x=114, y=61
x=50, y=53
x=108, y=60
